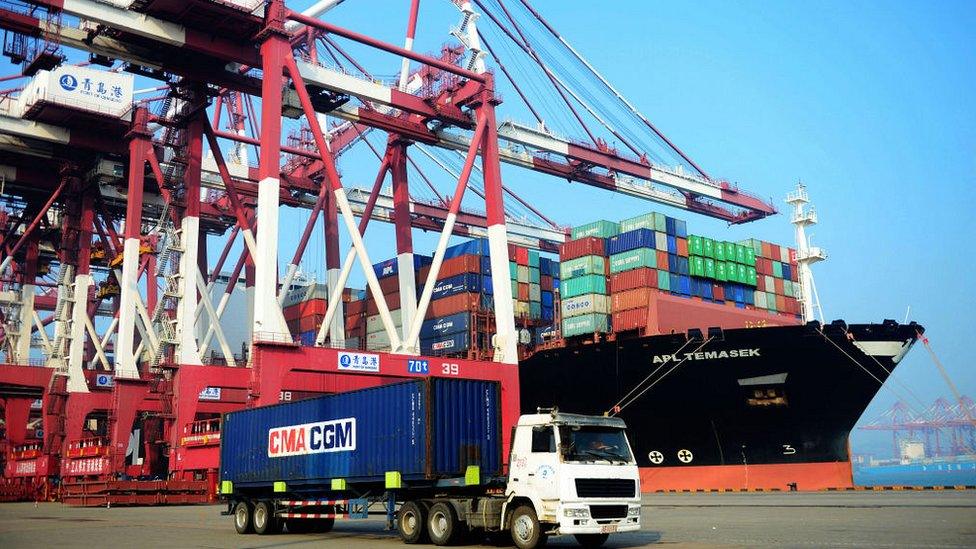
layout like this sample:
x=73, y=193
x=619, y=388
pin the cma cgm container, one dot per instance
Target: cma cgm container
x=422, y=430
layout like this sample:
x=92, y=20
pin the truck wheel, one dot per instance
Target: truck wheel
x=298, y=526
x=242, y=518
x=526, y=530
x=442, y=524
x=412, y=522
x=591, y=540
x=264, y=520
x=322, y=526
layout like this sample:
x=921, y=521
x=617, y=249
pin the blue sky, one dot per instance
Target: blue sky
x=869, y=103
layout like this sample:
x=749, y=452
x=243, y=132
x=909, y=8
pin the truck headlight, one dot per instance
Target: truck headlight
x=577, y=512
x=633, y=511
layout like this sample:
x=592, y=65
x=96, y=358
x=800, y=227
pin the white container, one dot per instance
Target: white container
x=375, y=324
x=377, y=341
x=660, y=241
x=102, y=92
x=760, y=300
x=585, y=304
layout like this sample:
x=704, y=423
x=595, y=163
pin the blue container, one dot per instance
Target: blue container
x=672, y=244
x=545, y=266
x=451, y=324
x=477, y=246
x=680, y=228
x=683, y=266
x=485, y=264
x=449, y=286
x=535, y=310
x=673, y=283
x=684, y=285
x=420, y=429
x=669, y=226
x=548, y=313
x=389, y=267
x=487, y=287
x=631, y=240
x=672, y=263
x=446, y=345
x=547, y=299
x=555, y=281
x=308, y=338
x=706, y=290
x=787, y=272
x=750, y=297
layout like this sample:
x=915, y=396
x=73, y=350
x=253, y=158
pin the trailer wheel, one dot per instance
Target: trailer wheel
x=242, y=518
x=526, y=530
x=412, y=522
x=264, y=520
x=442, y=524
x=298, y=526
x=591, y=540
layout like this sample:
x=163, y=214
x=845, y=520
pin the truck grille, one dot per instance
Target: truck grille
x=605, y=488
x=608, y=511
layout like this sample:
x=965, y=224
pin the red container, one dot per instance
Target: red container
x=311, y=322
x=590, y=245
x=767, y=250
x=305, y=308
x=354, y=323
x=794, y=274
x=634, y=319
x=638, y=278
x=718, y=292
x=456, y=266
x=523, y=291
x=545, y=283
x=682, y=246
x=357, y=307
x=392, y=301
x=774, y=252
x=662, y=260
x=631, y=299
x=792, y=256
x=390, y=284
x=292, y=326
x=512, y=252
x=780, y=303
x=466, y=302
x=778, y=284
x=522, y=256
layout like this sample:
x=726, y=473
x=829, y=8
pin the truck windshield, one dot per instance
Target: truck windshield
x=591, y=443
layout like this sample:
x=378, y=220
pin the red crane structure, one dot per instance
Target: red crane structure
x=108, y=202
x=946, y=429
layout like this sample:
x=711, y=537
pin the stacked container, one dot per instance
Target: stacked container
x=722, y=272
x=777, y=287
x=584, y=301
x=304, y=309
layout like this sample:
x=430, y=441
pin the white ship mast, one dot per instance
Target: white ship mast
x=806, y=255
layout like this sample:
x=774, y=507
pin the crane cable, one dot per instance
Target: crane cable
x=621, y=404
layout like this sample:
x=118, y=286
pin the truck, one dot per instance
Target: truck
x=427, y=455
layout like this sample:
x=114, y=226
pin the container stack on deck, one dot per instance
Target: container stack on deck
x=387, y=273
x=613, y=273
x=304, y=309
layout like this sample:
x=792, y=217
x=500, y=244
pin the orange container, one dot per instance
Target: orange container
x=454, y=304
x=780, y=303
x=457, y=265
x=631, y=299
x=392, y=302
x=662, y=260
x=767, y=250
x=780, y=290
x=637, y=278
x=682, y=246
x=357, y=307
x=523, y=291
x=633, y=319
x=311, y=322
x=305, y=308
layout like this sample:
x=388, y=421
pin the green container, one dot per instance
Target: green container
x=589, y=284
x=731, y=272
x=664, y=280
x=660, y=222
x=585, y=324
x=645, y=221
x=696, y=266
x=719, y=251
x=515, y=289
x=753, y=244
x=535, y=310
x=777, y=269
x=602, y=228
x=708, y=247
x=721, y=273
x=533, y=259
x=788, y=289
x=750, y=257
x=750, y=276
x=729, y=251
x=695, y=245
x=740, y=254
x=634, y=259
x=770, y=301
x=522, y=274
x=512, y=270
x=582, y=266
x=534, y=275
x=709, y=267
x=742, y=273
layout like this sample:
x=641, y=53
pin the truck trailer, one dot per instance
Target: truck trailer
x=428, y=455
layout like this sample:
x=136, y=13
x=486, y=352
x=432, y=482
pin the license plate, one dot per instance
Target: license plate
x=608, y=528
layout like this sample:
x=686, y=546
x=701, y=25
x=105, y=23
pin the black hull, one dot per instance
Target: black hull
x=776, y=395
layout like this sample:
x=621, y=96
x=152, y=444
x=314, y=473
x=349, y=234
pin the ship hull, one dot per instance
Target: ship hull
x=747, y=409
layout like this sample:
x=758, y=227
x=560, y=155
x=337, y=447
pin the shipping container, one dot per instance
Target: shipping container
x=672, y=244
x=307, y=339
x=634, y=259
x=521, y=308
x=462, y=264
x=633, y=319
x=534, y=259
x=535, y=292
x=101, y=92
x=696, y=245
x=466, y=302
x=721, y=273
x=522, y=256
x=719, y=251
x=682, y=244
x=664, y=280
x=631, y=299
x=696, y=266
x=777, y=269
x=477, y=246
x=392, y=302
x=390, y=267
x=374, y=323
x=589, y=284
x=451, y=324
x=582, y=266
x=624, y=242
x=680, y=228
x=523, y=274
x=305, y=308
x=708, y=247
x=585, y=324
x=709, y=265
x=661, y=241
x=547, y=299
x=378, y=341
x=602, y=229
x=535, y=310
x=644, y=277
x=590, y=245
x=534, y=275
x=662, y=260
x=645, y=221
x=456, y=343
x=585, y=304
x=424, y=429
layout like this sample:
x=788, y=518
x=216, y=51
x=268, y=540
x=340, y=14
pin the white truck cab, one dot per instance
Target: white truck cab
x=571, y=474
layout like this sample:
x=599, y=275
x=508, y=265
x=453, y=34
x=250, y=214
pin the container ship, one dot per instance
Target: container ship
x=706, y=348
